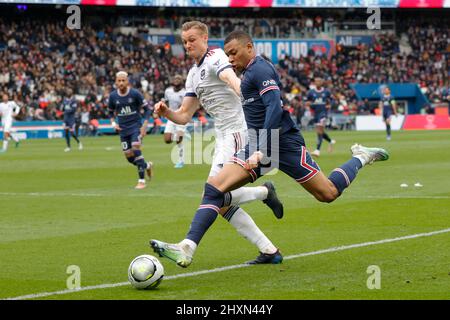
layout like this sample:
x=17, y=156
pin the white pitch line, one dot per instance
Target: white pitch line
x=237, y=266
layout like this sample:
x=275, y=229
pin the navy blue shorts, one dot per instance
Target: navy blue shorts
x=130, y=138
x=69, y=124
x=387, y=114
x=320, y=119
x=292, y=158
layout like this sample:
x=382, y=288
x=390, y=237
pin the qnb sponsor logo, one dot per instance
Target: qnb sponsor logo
x=269, y=83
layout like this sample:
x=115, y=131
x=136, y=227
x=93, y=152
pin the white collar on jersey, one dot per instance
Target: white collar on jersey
x=203, y=58
x=123, y=95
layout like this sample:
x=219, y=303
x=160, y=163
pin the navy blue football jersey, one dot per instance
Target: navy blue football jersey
x=319, y=100
x=69, y=108
x=262, y=104
x=128, y=108
x=387, y=101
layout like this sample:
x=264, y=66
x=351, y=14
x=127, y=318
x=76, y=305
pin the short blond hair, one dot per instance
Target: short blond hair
x=195, y=24
x=122, y=73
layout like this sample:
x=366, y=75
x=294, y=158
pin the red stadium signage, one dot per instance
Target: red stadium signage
x=421, y=3
x=99, y=2
x=251, y=3
x=426, y=122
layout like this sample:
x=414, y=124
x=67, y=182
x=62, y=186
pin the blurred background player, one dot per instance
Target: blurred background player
x=8, y=110
x=126, y=103
x=70, y=106
x=320, y=102
x=212, y=83
x=388, y=108
x=174, y=132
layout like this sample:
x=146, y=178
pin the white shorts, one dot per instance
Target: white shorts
x=226, y=146
x=7, y=124
x=173, y=128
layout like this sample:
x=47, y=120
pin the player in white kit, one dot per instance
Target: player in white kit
x=173, y=96
x=212, y=84
x=8, y=110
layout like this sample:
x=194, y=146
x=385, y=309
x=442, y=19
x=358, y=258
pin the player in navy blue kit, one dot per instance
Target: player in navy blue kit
x=274, y=142
x=319, y=99
x=126, y=103
x=388, y=109
x=70, y=106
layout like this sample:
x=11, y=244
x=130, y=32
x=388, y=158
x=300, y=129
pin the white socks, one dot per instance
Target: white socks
x=362, y=159
x=247, y=194
x=5, y=145
x=247, y=228
x=188, y=246
x=180, y=152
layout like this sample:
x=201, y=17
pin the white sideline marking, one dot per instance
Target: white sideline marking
x=237, y=266
x=85, y=194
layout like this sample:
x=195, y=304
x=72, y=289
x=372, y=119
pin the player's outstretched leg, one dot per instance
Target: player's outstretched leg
x=180, y=147
x=369, y=155
x=213, y=199
x=67, y=136
x=316, y=153
x=331, y=142
x=75, y=137
x=176, y=252
x=141, y=165
x=15, y=139
x=266, y=193
x=344, y=175
x=247, y=228
x=149, y=170
x=5, y=146
x=267, y=258
x=329, y=189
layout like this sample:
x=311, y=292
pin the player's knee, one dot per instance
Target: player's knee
x=128, y=153
x=212, y=196
x=326, y=196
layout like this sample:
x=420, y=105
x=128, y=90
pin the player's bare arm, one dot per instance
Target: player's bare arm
x=115, y=125
x=394, y=108
x=181, y=116
x=230, y=78
x=144, y=128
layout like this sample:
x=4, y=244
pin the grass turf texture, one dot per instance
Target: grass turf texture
x=80, y=208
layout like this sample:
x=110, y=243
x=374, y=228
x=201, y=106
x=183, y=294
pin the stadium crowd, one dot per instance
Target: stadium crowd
x=38, y=63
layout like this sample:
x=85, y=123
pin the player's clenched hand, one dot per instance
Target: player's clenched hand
x=143, y=131
x=253, y=161
x=116, y=127
x=161, y=108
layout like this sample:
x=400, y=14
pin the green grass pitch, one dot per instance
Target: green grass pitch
x=80, y=208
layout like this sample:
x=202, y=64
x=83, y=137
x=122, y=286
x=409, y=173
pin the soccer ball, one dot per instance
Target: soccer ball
x=145, y=272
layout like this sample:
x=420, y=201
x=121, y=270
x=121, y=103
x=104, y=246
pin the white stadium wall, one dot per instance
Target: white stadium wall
x=375, y=123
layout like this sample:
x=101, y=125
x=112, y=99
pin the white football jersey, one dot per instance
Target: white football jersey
x=9, y=109
x=174, y=98
x=215, y=96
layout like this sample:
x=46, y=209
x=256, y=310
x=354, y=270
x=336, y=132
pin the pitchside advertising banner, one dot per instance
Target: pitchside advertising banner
x=401, y=122
x=251, y=3
x=277, y=49
x=353, y=41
